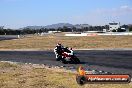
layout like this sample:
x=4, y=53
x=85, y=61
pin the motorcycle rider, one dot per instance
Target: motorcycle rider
x=58, y=50
x=71, y=51
x=66, y=49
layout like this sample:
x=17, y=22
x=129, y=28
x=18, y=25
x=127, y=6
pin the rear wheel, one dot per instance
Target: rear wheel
x=73, y=61
x=63, y=61
x=76, y=60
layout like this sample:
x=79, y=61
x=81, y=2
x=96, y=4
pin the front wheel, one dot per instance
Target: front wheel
x=59, y=58
x=76, y=60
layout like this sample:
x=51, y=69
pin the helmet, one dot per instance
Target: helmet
x=70, y=48
x=58, y=44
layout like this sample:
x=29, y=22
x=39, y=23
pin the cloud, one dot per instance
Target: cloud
x=122, y=10
x=102, y=16
x=8, y=0
x=124, y=7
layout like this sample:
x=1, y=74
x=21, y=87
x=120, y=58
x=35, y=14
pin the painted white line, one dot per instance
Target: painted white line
x=22, y=50
x=119, y=49
x=106, y=49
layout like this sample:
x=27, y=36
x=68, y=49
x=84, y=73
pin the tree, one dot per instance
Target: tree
x=85, y=28
x=74, y=29
x=125, y=26
x=59, y=29
x=114, y=30
x=120, y=30
x=2, y=32
x=27, y=31
x=130, y=28
x=17, y=32
x=66, y=29
x=91, y=28
x=107, y=27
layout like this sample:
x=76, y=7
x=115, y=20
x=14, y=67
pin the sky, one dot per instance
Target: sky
x=20, y=13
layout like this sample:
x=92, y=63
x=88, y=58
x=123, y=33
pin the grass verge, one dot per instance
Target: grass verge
x=29, y=76
x=49, y=42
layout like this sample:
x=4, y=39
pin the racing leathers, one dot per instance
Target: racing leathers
x=58, y=51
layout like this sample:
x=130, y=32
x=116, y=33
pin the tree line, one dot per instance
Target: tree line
x=64, y=29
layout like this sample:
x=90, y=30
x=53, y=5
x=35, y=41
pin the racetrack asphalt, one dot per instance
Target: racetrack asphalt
x=8, y=37
x=114, y=61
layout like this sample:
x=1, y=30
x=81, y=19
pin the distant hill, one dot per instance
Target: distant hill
x=33, y=27
x=58, y=25
x=81, y=25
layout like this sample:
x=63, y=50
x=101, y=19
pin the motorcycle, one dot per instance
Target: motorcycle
x=67, y=57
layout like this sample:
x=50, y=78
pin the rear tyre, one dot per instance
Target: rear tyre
x=73, y=61
x=76, y=60
x=63, y=61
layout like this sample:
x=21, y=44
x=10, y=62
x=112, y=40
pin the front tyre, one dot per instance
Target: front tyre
x=59, y=58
